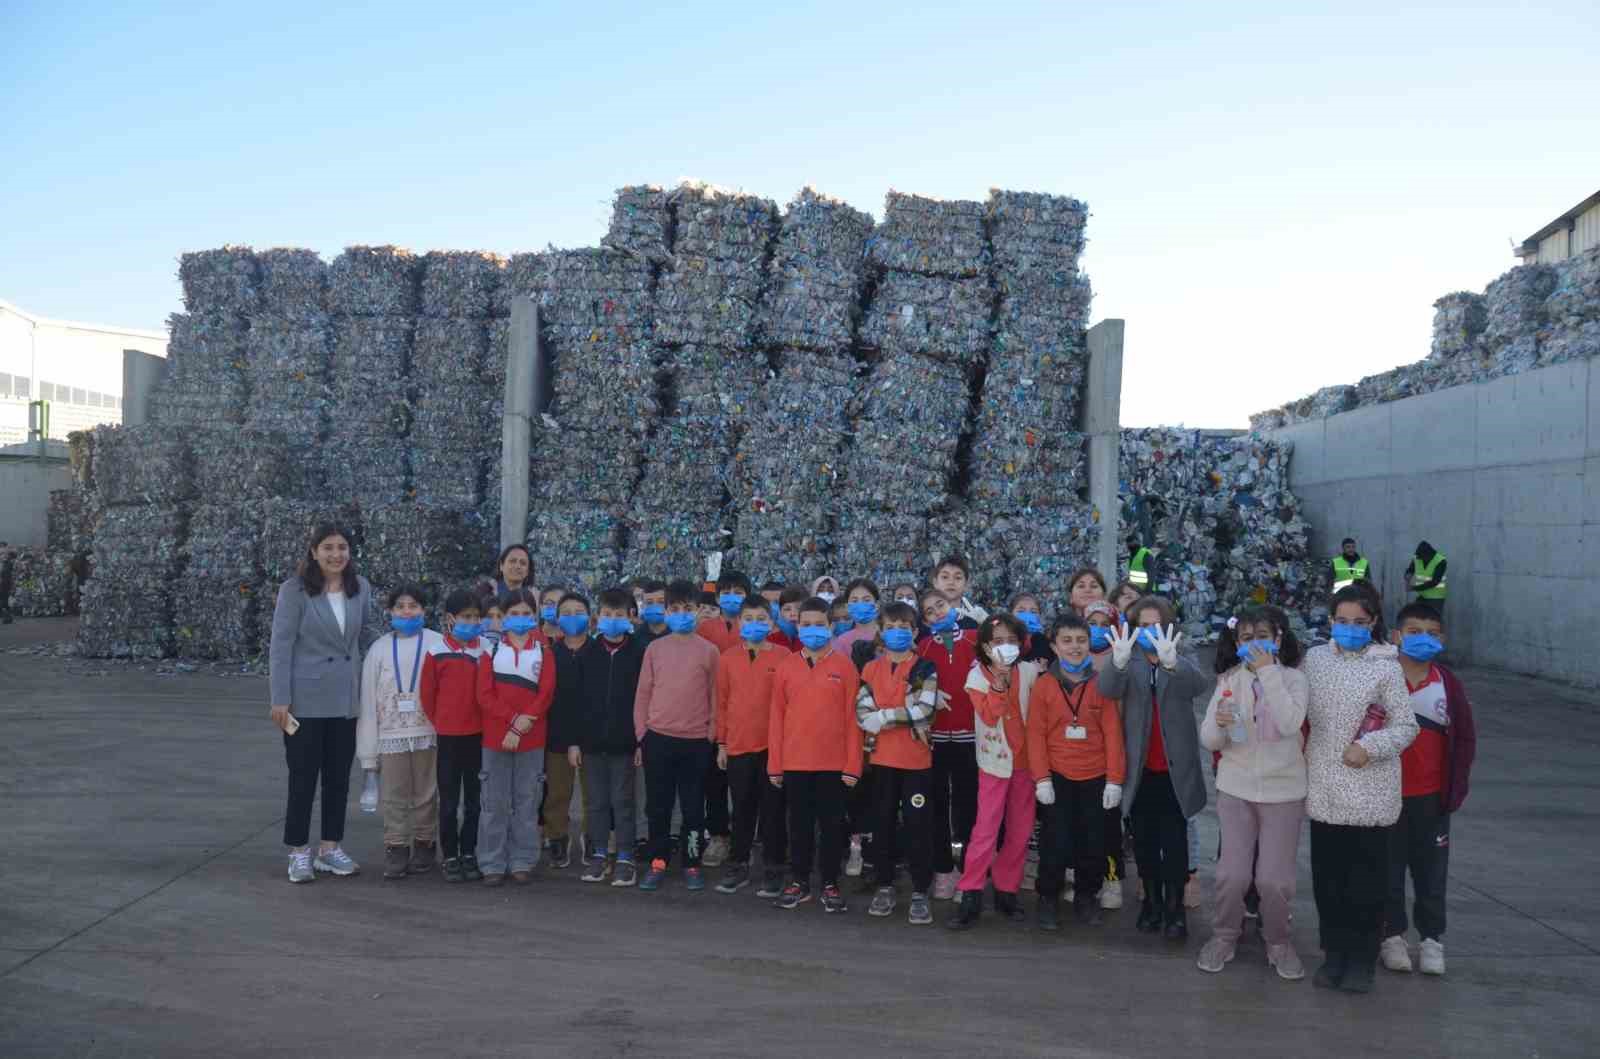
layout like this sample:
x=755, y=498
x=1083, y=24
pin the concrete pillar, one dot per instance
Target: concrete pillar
x=523, y=357
x=1102, y=422
x=141, y=373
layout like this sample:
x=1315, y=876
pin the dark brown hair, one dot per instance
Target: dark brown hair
x=311, y=573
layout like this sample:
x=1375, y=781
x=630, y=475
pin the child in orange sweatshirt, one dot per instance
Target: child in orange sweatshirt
x=516, y=684
x=744, y=704
x=814, y=753
x=450, y=699
x=1076, y=753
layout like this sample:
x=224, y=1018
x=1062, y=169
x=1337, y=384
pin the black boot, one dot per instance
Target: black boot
x=1009, y=908
x=1050, y=912
x=1331, y=974
x=1175, y=915
x=1086, y=909
x=1150, y=908
x=965, y=917
x=1358, y=971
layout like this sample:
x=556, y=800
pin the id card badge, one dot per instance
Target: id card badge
x=1077, y=731
x=408, y=704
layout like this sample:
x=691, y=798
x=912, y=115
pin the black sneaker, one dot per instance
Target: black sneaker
x=735, y=877
x=560, y=852
x=469, y=868
x=452, y=870
x=833, y=900
x=794, y=895
x=771, y=884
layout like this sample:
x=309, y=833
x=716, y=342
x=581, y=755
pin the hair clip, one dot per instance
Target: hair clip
x=1233, y=623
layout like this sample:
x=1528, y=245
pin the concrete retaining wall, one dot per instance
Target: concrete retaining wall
x=1504, y=478
x=25, y=499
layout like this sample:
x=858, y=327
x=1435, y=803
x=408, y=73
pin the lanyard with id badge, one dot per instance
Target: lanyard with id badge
x=407, y=702
x=1075, y=730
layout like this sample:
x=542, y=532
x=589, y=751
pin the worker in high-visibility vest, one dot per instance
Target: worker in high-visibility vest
x=1427, y=577
x=1142, y=568
x=1349, y=566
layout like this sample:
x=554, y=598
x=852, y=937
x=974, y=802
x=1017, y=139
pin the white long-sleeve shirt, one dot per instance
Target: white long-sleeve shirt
x=381, y=727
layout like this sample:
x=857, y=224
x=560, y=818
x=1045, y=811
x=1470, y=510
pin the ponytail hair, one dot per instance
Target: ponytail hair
x=1289, y=650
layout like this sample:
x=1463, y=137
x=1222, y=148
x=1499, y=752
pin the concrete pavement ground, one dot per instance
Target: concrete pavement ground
x=144, y=911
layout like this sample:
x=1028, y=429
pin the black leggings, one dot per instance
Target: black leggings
x=460, y=761
x=324, y=748
x=1350, y=879
x=1160, y=831
x=955, y=801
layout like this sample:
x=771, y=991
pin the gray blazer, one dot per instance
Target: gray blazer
x=316, y=669
x=1176, y=692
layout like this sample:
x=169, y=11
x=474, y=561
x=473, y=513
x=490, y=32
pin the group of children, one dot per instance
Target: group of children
x=849, y=728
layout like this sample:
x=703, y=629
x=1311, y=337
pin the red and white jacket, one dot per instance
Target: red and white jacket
x=450, y=685
x=515, y=682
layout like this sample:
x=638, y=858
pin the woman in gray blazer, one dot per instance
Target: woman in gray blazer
x=317, y=647
x=1155, y=685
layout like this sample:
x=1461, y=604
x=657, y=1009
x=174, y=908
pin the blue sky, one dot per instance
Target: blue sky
x=1277, y=195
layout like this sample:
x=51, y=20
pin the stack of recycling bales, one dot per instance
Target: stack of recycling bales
x=595, y=312
x=44, y=586
x=366, y=458
x=784, y=484
x=144, y=486
x=928, y=333
x=1572, y=311
x=708, y=372
x=1219, y=509
x=1028, y=454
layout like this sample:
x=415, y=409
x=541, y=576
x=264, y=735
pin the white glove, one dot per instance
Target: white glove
x=941, y=702
x=369, y=792
x=1121, y=646
x=1167, y=640
x=1045, y=791
x=1112, y=796
x=968, y=609
x=872, y=722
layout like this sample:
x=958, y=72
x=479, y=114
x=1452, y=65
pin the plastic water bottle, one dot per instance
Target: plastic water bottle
x=369, y=793
x=1237, y=732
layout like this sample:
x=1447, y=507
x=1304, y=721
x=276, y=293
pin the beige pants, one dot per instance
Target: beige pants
x=560, y=779
x=408, y=785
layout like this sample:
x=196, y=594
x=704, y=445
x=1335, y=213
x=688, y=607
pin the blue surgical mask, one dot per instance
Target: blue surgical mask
x=787, y=627
x=1077, y=668
x=898, y=639
x=653, y=613
x=548, y=612
x=519, y=624
x=615, y=627
x=815, y=637
x=731, y=604
x=753, y=632
x=1422, y=646
x=573, y=624
x=1147, y=638
x=1351, y=637
x=1030, y=621
x=406, y=626
x=681, y=621
x=946, y=623
x=1243, y=650
x=1099, y=637
x=842, y=627
x=773, y=607
x=863, y=611
x=466, y=630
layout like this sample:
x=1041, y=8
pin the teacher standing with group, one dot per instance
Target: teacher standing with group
x=316, y=652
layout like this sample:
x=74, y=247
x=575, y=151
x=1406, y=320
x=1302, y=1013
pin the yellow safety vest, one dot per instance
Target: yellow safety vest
x=1137, y=575
x=1346, y=573
x=1421, y=573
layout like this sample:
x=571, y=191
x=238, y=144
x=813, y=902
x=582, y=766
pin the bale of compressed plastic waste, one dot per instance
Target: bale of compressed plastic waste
x=224, y=280
x=817, y=276
x=294, y=284
x=713, y=286
x=460, y=283
x=932, y=236
x=375, y=281
x=941, y=318
x=641, y=222
x=43, y=585
x=146, y=464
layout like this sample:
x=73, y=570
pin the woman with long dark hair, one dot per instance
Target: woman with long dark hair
x=317, y=647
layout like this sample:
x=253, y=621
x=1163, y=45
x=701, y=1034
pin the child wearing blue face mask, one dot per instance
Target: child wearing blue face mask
x=549, y=611
x=1035, y=645
x=561, y=777
x=1434, y=771
x=1360, y=721
x=744, y=699
x=1253, y=725
x=861, y=599
x=450, y=699
x=652, y=611
x=395, y=737
x=786, y=633
x=1102, y=618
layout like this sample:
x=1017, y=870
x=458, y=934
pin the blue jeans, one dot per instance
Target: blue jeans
x=508, y=830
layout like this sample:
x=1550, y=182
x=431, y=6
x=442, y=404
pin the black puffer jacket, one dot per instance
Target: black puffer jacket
x=608, y=680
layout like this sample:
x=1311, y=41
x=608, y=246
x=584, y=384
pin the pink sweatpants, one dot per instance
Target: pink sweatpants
x=1010, y=800
x=1276, y=827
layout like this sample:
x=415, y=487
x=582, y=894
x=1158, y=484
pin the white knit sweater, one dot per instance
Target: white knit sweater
x=382, y=728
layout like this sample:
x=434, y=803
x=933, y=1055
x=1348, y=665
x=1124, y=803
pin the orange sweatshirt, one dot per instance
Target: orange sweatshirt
x=721, y=634
x=898, y=746
x=812, y=727
x=1099, y=753
x=744, y=697
x=994, y=707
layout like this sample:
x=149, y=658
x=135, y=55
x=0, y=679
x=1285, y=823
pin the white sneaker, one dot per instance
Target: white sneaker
x=1394, y=955
x=716, y=852
x=1431, y=956
x=944, y=885
x=852, y=864
x=1111, y=895
x=300, y=866
x=336, y=861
